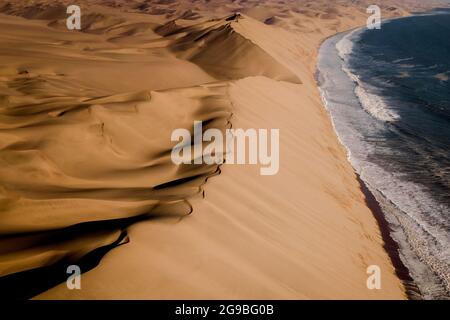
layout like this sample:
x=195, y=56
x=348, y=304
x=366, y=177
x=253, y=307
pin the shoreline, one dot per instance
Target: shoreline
x=393, y=227
x=389, y=244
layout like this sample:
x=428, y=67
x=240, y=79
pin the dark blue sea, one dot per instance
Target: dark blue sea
x=388, y=93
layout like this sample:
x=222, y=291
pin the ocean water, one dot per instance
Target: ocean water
x=388, y=93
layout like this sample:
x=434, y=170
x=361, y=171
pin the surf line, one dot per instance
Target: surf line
x=231, y=149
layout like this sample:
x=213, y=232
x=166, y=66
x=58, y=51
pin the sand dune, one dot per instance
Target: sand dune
x=246, y=238
x=85, y=124
x=227, y=52
x=72, y=155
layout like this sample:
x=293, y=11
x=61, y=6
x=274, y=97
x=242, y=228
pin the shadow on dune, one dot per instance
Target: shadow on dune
x=27, y=284
x=72, y=182
x=81, y=159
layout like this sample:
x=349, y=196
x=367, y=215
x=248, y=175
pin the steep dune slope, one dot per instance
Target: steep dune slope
x=226, y=50
x=305, y=233
x=80, y=155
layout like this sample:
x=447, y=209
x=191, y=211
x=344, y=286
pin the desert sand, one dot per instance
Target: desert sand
x=85, y=124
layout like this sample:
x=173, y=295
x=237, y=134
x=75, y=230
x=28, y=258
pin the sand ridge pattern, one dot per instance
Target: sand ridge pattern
x=72, y=157
x=79, y=164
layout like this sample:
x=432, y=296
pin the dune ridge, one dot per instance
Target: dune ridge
x=224, y=49
x=72, y=156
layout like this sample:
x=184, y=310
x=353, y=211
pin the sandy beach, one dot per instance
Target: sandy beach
x=86, y=175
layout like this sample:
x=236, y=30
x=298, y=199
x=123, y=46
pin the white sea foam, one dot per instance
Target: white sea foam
x=375, y=105
x=402, y=60
x=372, y=103
x=345, y=45
x=417, y=219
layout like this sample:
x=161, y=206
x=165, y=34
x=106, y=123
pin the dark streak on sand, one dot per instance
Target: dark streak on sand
x=27, y=284
x=391, y=247
x=30, y=283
